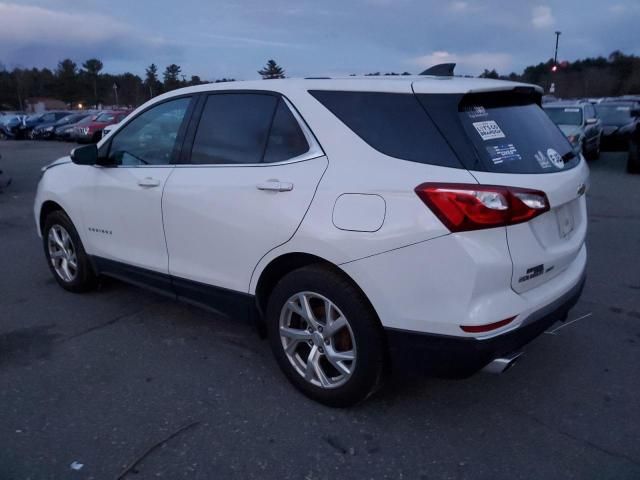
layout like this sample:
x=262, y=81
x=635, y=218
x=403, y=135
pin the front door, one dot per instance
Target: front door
x=122, y=199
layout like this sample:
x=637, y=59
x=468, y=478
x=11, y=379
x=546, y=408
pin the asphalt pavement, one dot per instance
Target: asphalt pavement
x=103, y=379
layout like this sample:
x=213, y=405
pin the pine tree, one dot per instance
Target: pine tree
x=271, y=70
x=151, y=81
x=93, y=66
x=172, y=77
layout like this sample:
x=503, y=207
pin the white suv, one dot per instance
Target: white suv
x=425, y=222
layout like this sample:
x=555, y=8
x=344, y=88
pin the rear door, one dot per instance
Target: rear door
x=247, y=182
x=505, y=138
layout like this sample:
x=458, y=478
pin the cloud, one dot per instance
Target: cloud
x=542, y=17
x=41, y=36
x=240, y=41
x=473, y=63
x=459, y=6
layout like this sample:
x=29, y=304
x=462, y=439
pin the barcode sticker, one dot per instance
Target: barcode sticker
x=488, y=130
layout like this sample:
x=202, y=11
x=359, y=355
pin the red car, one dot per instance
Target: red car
x=91, y=132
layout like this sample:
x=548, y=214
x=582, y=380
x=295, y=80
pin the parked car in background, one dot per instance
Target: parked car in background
x=46, y=130
x=32, y=121
x=580, y=124
x=9, y=124
x=446, y=231
x=108, y=129
x=622, y=129
x=91, y=132
x=65, y=132
x=620, y=120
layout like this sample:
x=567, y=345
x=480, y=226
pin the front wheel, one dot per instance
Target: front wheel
x=325, y=336
x=65, y=254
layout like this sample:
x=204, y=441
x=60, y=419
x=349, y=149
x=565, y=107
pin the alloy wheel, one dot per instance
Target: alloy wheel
x=62, y=253
x=317, y=340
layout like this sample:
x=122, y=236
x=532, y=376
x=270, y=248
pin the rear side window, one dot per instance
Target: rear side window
x=393, y=123
x=286, y=139
x=502, y=132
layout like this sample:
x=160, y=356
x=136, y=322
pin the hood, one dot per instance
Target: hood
x=610, y=129
x=60, y=161
x=570, y=130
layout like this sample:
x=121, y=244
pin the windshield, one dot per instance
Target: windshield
x=565, y=116
x=614, y=113
x=106, y=117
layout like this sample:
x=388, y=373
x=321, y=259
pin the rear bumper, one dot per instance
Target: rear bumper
x=459, y=356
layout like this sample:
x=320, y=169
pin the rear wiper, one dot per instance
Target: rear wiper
x=568, y=156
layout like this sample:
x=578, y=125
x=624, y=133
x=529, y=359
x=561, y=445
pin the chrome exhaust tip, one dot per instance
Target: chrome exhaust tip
x=502, y=364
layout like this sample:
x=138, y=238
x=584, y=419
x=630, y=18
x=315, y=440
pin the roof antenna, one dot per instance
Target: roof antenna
x=440, y=70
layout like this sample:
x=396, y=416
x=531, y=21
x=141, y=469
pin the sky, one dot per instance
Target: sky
x=227, y=38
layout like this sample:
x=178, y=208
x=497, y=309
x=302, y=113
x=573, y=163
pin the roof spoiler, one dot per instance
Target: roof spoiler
x=440, y=70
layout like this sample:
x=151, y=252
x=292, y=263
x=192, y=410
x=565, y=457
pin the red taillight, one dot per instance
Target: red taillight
x=486, y=328
x=463, y=207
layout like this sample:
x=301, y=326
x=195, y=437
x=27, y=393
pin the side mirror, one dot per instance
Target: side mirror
x=592, y=121
x=85, y=155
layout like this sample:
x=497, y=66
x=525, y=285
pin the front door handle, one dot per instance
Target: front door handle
x=149, y=182
x=275, y=186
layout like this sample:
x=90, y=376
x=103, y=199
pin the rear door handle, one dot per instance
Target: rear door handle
x=275, y=186
x=149, y=182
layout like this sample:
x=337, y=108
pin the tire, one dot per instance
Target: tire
x=354, y=369
x=61, y=241
x=633, y=160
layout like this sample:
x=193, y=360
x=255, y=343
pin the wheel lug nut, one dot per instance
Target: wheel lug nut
x=321, y=350
x=326, y=341
x=320, y=329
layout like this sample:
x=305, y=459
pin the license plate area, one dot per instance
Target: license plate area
x=566, y=224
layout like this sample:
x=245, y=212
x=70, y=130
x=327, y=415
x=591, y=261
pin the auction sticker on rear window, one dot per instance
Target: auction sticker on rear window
x=503, y=153
x=488, y=130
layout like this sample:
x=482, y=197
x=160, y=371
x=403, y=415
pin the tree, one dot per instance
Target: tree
x=67, y=80
x=151, y=81
x=489, y=74
x=271, y=70
x=93, y=66
x=171, y=77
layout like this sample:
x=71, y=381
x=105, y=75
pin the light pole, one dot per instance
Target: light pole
x=555, y=57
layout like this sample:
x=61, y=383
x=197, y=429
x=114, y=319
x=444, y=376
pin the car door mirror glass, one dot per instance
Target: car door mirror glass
x=85, y=155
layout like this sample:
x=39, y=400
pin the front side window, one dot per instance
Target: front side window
x=150, y=138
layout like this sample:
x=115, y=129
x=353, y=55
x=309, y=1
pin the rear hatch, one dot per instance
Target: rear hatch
x=504, y=138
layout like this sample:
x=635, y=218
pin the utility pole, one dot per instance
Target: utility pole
x=115, y=91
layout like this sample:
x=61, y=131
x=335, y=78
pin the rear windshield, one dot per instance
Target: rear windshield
x=565, y=115
x=502, y=132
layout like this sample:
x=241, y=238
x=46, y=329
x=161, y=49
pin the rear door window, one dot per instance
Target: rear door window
x=286, y=140
x=247, y=128
x=234, y=128
x=392, y=123
x=502, y=132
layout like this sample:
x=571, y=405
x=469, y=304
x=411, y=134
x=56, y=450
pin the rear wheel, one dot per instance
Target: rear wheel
x=65, y=254
x=325, y=336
